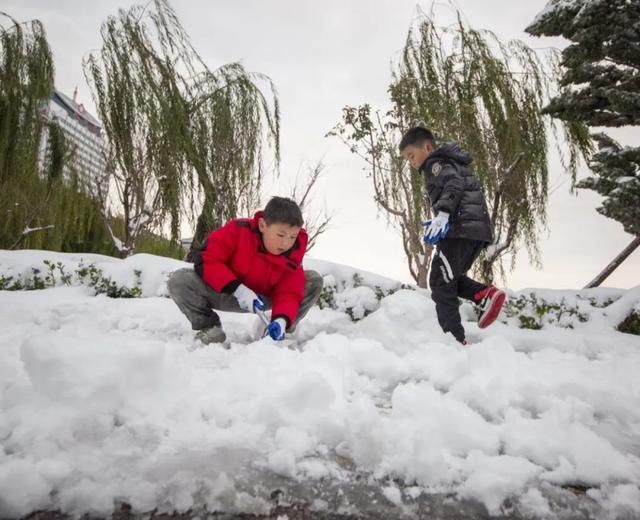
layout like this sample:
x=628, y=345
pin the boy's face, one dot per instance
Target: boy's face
x=278, y=237
x=416, y=154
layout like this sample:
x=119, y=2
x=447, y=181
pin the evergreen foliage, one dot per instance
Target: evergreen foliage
x=600, y=86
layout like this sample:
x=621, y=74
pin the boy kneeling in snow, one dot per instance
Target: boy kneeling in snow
x=248, y=265
x=461, y=228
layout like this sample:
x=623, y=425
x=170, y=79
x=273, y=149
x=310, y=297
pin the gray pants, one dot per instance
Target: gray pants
x=197, y=300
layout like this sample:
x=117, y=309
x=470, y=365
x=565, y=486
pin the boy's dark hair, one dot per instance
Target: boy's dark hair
x=282, y=210
x=416, y=136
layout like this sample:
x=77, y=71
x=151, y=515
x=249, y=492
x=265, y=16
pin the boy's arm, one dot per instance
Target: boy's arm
x=452, y=189
x=287, y=295
x=211, y=263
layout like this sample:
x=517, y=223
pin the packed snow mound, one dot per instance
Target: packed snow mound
x=106, y=400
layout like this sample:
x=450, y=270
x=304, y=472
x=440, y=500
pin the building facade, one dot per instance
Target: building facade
x=84, y=136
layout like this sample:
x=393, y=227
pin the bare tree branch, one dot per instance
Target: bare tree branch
x=316, y=224
x=26, y=232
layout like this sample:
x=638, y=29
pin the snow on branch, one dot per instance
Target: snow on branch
x=28, y=230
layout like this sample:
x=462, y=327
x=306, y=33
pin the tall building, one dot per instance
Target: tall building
x=84, y=133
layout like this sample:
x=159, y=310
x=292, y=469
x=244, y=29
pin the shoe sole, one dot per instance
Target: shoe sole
x=491, y=314
x=223, y=340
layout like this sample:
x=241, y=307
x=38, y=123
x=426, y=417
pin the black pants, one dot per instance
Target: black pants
x=448, y=280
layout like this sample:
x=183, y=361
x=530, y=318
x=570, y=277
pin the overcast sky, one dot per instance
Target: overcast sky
x=323, y=55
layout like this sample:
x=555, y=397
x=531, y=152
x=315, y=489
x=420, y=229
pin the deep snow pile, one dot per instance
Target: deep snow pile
x=107, y=400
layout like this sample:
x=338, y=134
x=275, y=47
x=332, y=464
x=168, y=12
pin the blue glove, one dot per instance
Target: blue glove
x=276, y=329
x=436, y=228
x=247, y=299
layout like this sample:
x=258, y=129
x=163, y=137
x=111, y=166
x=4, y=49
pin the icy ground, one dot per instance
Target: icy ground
x=109, y=400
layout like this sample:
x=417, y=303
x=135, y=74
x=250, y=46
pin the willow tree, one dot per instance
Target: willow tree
x=228, y=120
x=141, y=108
x=43, y=203
x=26, y=81
x=468, y=86
x=183, y=139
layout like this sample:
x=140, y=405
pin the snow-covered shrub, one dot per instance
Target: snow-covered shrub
x=37, y=278
x=7, y=283
x=354, y=296
x=55, y=274
x=533, y=312
x=354, y=292
x=94, y=277
x=631, y=324
x=140, y=275
x=568, y=309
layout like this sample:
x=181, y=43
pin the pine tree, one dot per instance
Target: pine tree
x=600, y=86
x=617, y=179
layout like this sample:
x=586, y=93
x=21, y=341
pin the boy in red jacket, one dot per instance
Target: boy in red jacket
x=249, y=264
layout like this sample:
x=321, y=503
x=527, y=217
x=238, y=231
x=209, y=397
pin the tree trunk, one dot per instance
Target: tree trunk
x=423, y=274
x=486, y=271
x=204, y=225
x=614, y=264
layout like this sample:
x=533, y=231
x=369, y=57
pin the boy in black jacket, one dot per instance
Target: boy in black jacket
x=461, y=228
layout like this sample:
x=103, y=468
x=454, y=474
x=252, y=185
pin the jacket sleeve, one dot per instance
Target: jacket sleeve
x=212, y=263
x=452, y=189
x=287, y=296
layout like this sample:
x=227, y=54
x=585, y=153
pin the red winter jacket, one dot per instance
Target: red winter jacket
x=235, y=254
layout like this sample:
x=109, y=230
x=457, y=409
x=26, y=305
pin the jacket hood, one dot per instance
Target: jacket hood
x=452, y=150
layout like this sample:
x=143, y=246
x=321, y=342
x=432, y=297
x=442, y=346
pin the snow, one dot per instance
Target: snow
x=109, y=400
x=392, y=494
x=494, y=249
x=552, y=8
x=28, y=230
x=534, y=504
x=617, y=500
x=495, y=477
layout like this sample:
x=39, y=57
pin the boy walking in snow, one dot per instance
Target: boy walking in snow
x=249, y=264
x=461, y=228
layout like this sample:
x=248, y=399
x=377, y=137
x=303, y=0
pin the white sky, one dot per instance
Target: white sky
x=323, y=56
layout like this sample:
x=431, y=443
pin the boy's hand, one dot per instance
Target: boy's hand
x=247, y=299
x=276, y=329
x=436, y=228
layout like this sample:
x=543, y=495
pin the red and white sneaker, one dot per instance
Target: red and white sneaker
x=490, y=301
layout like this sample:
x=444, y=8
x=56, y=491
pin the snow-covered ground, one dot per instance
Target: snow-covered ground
x=107, y=400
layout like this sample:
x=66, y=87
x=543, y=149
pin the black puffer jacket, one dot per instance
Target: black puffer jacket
x=454, y=189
